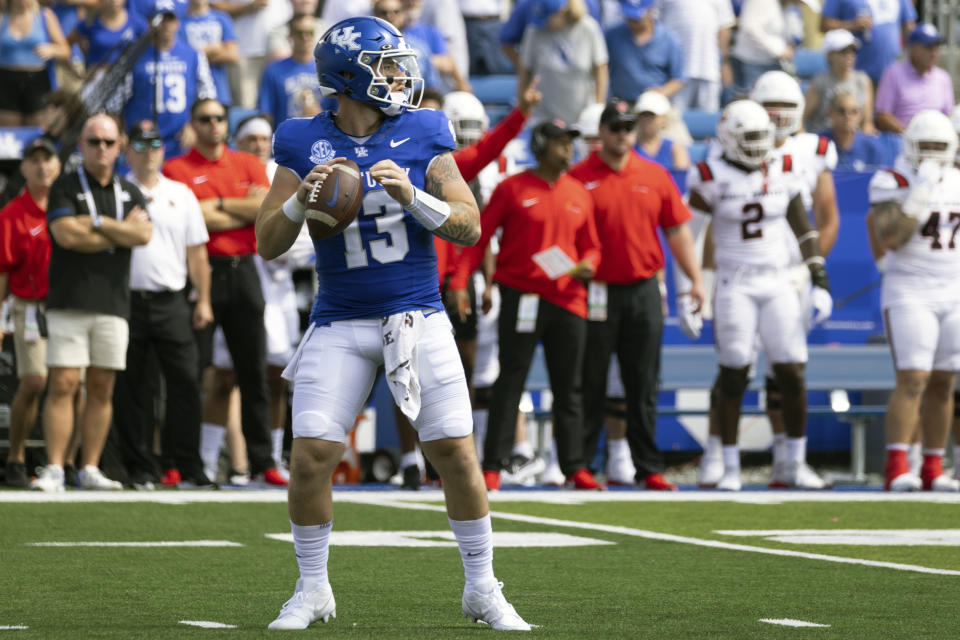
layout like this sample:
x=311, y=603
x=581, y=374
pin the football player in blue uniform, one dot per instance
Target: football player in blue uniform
x=378, y=302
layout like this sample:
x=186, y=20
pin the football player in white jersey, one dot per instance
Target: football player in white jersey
x=754, y=209
x=913, y=226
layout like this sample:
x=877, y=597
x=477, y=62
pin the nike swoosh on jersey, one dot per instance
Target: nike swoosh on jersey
x=199, y=179
x=397, y=143
x=591, y=185
x=530, y=202
x=336, y=190
x=36, y=231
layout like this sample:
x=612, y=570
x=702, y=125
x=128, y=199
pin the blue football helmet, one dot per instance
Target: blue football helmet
x=368, y=60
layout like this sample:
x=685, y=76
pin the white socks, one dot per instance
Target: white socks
x=524, y=449
x=779, y=448
x=475, y=539
x=412, y=459
x=211, y=441
x=276, y=439
x=618, y=449
x=731, y=457
x=312, y=545
x=915, y=458
x=796, y=449
x=714, y=448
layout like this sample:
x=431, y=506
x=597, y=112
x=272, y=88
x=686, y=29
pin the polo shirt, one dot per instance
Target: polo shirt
x=25, y=247
x=629, y=205
x=635, y=68
x=904, y=93
x=229, y=176
x=535, y=216
x=865, y=153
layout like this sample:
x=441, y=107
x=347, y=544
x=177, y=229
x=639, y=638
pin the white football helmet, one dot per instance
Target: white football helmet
x=782, y=93
x=467, y=115
x=745, y=133
x=930, y=136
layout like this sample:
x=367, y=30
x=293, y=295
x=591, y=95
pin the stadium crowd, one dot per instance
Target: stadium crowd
x=130, y=270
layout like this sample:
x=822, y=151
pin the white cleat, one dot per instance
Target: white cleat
x=905, y=482
x=310, y=602
x=944, y=483
x=491, y=607
x=730, y=481
x=621, y=471
x=801, y=476
x=49, y=478
x=553, y=476
x=91, y=478
x=780, y=476
x=710, y=472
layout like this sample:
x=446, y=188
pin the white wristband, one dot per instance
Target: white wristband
x=663, y=289
x=429, y=211
x=294, y=209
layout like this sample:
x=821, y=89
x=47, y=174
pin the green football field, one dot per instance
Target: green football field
x=622, y=564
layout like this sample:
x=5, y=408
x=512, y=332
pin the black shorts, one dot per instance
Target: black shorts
x=24, y=91
x=466, y=330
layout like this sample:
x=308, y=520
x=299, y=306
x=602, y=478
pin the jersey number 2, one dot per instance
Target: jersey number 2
x=389, y=215
x=755, y=211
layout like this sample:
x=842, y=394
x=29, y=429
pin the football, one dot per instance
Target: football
x=333, y=204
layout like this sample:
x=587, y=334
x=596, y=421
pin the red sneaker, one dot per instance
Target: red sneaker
x=583, y=479
x=656, y=482
x=933, y=477
x=897, y=472
x=492, y=480
x=274, y=477
x=171, y=478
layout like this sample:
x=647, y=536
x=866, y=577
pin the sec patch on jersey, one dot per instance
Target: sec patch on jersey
x=333, y=204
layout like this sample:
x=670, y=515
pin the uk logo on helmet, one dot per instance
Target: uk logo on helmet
x=322, y=152
x=345, y=37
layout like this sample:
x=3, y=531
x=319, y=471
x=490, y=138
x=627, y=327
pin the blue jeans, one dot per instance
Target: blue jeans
x=745, y=74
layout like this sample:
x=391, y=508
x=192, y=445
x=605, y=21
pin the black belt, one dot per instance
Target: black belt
x=495, y=16
x=230, y=261
x=152, y=295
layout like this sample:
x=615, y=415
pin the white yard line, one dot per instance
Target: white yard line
x=13, y=627
x=787, y=622
x=206, y=624
x=163, y=543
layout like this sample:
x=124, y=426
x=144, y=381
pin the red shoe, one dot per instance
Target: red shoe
x=171, y=478
x=274, y=477
x=656, y=482
x=492, y=480
x=583, y=479
x=933, y=477
x=897, y=472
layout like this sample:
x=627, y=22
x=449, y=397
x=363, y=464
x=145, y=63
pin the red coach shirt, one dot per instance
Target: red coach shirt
x=629, y=205
x=230, y=176
x=25, y=247
x=535, y=216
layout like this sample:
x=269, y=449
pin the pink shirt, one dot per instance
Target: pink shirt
x=903, y=92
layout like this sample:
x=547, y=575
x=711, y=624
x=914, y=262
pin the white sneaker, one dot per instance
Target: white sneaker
x=310, y=602
x=522, y=471
x=491, y=607
x=944, y=482
x=49, y=478
x=553, y=476
x=710, y=472
x=801, y=476
x=90, y=477
x=730, y=480
x=780, y=476
x=905, y=482
x=621, y=471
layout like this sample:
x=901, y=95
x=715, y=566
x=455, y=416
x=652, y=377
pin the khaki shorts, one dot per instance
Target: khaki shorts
x=31, y=356
x=85, y=339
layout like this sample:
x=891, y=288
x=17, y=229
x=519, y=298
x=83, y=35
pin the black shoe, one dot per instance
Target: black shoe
x=69, y=475
x=16, y=475
x=411, y=477
x=198, y=480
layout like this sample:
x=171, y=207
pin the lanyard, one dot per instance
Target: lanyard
x=88, y=195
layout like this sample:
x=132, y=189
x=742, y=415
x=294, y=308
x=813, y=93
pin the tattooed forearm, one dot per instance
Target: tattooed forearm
x=444, y=181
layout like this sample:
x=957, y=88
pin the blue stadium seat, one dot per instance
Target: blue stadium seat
x=497, y=89
x=698, y=151
x=701, y=124
x=497, y=112
x=809, y=62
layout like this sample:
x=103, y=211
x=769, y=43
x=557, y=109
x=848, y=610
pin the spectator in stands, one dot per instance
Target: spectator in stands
x=334, y=12
x=181, y=72
x=161, y=324
x=632, y=199
x=763, y=42
x=511, y=32
x=30, y=38
x=548, y=248
x=703, y=30
x=103, y=35
x=841, y=49
x=909, y=86
x=644, y=55
x=856, y=151
x=651, y=117
x=879, y=26
x=433, y=54
x=211, y=33
x=233, y=186
x=481, y=20
x=24, y=260
x=564, y=48
x=279, y=45
x=144, y=8
x=393, y=12
x=95, y=217
x=253, y=21
x=290, y=88
x=445, y=17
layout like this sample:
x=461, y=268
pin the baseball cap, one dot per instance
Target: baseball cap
x=635, y=9
x=554, y=129
x=164, y=7
x=838, y=40
x=617, y=111
x=541, y=10
x=652, y=102
x=925, y=34
x=42, y=143
x=143, y=131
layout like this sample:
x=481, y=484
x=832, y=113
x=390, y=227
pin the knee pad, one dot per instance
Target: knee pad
x=715, y=393
x=615, y=408
x=789, y=378
x=773, y=393
x=732, y=382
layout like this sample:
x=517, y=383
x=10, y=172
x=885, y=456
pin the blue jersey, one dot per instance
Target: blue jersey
x=282, y=88
x=103, y=44
x=211, y=28
x=384, y=262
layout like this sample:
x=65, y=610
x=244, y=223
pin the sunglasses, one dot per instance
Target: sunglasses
x=209, y=119
x=96, y=142
x=853, y=111
x=619, y=127
x=143, y=145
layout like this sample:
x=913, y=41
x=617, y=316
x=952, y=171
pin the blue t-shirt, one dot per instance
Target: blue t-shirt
x=635, y=69
x=866, y=153
x=664, y=156
x=104, y=44
x=431, y=78
x=430, y=35
x=283, y=83
x=511, y=31
x=883, y=44
x=204, y=30
x=384, y=262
